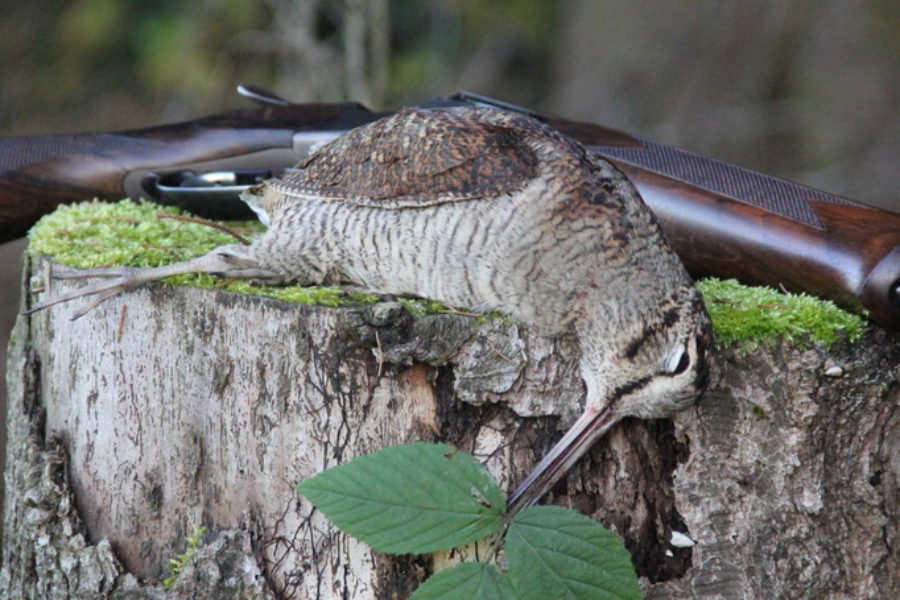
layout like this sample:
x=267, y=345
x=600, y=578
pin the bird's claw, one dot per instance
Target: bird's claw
x=227, y=261
x=116, y=280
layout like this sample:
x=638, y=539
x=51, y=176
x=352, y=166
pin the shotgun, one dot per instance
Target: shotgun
x=722, y=220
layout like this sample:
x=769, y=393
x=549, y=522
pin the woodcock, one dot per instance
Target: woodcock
x=490, y=210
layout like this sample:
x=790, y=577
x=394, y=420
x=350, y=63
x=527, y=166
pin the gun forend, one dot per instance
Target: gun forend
x=727, y=221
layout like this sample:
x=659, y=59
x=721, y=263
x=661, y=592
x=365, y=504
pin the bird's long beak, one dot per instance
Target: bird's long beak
x=589, y=427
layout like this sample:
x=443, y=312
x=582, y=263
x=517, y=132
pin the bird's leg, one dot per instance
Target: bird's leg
x=226, y=261
x=589, y=427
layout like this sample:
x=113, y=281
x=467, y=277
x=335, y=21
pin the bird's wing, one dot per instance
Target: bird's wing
x=417, y=158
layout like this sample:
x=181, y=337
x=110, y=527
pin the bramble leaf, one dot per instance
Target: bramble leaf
x=413, y=498
x=467, y=581
x=553, y=552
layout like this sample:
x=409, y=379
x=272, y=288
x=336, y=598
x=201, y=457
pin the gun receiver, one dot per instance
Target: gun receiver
x=722, y=220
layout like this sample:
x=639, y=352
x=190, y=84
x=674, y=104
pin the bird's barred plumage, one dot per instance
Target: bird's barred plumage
x=463, y=205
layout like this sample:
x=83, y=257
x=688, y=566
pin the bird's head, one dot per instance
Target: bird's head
x=650, y=367
x=659, y=367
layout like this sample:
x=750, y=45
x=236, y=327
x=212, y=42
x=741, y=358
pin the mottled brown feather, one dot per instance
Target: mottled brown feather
x=419, y=158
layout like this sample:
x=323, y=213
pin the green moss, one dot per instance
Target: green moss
x=95, y=234
x=422, y=306
x=128, y=233
x=317, y=295
x=749, y=315
x=179, y=562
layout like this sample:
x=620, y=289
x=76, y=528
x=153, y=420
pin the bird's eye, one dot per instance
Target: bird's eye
x=683, y=363
x=678, y=362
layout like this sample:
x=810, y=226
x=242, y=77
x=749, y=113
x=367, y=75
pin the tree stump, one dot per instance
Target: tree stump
x=167, y=409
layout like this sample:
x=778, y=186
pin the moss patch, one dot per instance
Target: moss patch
x=127, y=233
x=751, y=314
x=97, y=234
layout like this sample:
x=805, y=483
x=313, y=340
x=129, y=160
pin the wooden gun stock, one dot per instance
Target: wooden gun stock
x=727, y=221
x=37, y=173
x=850, y=255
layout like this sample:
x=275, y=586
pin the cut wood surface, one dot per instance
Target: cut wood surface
x=167, y=409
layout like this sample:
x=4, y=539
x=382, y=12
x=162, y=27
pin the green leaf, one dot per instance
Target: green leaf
x=554, y=552
x=467, y=581
x=413, y=498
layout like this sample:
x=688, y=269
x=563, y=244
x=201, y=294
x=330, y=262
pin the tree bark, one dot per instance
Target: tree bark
x=167, y=409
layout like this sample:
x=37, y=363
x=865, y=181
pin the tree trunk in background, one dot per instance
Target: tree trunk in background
x=167, y=409
x=350, y=64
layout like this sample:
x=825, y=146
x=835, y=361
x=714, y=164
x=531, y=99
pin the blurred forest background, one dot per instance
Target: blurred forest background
x=805, y=89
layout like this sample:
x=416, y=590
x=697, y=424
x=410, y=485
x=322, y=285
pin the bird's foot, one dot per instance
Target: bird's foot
x=227, y=261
